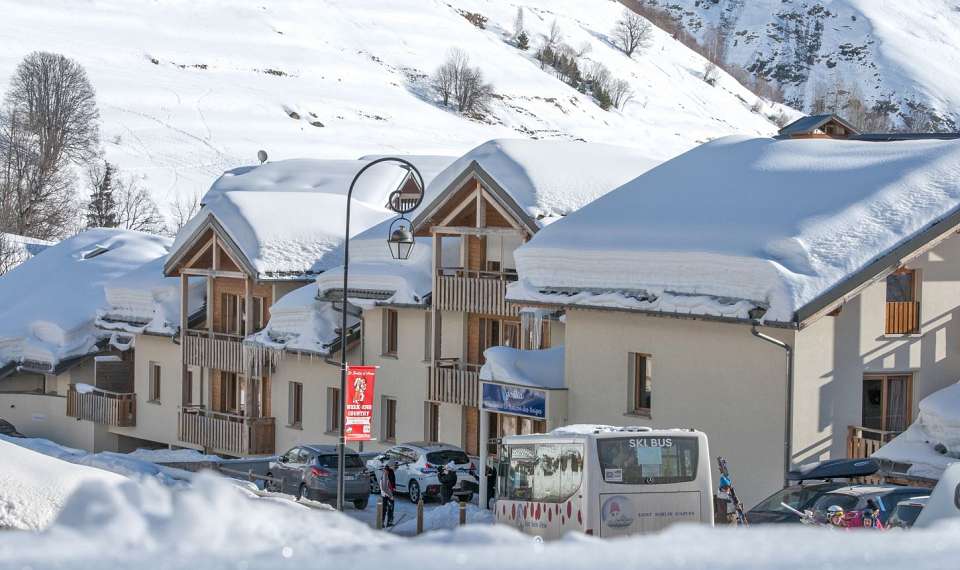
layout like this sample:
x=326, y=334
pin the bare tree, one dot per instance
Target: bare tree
x=181, y=210
x=456, y=80
x=48, y=123
x=101, y=209
x=136, y=210
x=553, y=36
x=632, y=33
x=620, y=93
x=10, y=254
x=518, y=23
x=714, y=44
x=710, y=73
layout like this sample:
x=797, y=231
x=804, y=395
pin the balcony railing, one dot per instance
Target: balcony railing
x=862, y=442
x=454, y=382
x=903, y=317
x=228, y=434
x=102, y=407
x=218, y=350
x=480, y=292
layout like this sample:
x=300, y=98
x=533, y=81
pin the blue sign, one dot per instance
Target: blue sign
x=514, y=400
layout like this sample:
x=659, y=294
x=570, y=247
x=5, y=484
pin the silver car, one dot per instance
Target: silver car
x=311, y=471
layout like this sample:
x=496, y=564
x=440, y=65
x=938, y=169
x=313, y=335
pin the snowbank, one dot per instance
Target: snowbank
x=445, y=517
x=173, y=456
x=51, y=301
x=288, y=217
x=937, y=426
x=18, y=249
x=214, y=524
x=300, y=321
x=34, y=487
x=537, y=368
x=710, y=232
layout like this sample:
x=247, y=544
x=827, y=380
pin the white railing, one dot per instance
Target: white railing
x=453, y=382
x=482, y=292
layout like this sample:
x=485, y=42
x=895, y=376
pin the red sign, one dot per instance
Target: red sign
x=359, y=404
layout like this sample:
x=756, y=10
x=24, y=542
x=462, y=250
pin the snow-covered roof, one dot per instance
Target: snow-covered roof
x=548, y=179
x=16, y=249
x=740, y=222
x=144, y=300
x=535, y=368
x=301, y=322
x=287, y=217
x=50, y=302
x=937, y=423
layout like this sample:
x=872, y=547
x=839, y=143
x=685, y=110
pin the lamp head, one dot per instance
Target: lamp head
x=401, y=239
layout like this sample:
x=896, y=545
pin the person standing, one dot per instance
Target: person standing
x=388, y=487
x=448, y=480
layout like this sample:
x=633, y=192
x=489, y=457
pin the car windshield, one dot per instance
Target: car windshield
x=905, y=515
x=845, y=502
x=446, y=456
x=330, y=461
x=797, y=497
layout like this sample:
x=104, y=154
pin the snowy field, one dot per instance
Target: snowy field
x=103, y=520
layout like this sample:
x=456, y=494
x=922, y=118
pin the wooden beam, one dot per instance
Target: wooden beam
x=211, y=273
x=456, y=211
x=465, y=230
x=216, y=253
x=434, y=314
x=199, y=253
x=481, y=210
x=184, y=325
x=503, y=212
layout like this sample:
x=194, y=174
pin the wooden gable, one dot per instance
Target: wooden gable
x=209, y=250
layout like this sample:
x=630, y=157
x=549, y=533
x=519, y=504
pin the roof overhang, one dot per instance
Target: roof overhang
x=171, y=268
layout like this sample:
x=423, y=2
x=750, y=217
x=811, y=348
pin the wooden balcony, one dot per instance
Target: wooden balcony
x=903, y=317
x=218, y=350
x=228, y=434
x=862, y=442
x=454, y=382
x=103, y=407
x=481, y=292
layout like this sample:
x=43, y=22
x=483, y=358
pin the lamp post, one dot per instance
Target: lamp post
x=400, y=242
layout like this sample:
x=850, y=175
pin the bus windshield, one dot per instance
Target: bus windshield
x=544, y=472
x=648, y=460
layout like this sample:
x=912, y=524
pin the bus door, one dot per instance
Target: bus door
x=647, y=483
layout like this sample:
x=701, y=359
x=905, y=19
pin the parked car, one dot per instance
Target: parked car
x=854, y=498
x=907, y=511
x=311, y=471
x=7, y=429
x=417, y=470
x=814, y=481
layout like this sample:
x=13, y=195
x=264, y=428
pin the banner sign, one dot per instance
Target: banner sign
x=514, y=400
x=359, y=404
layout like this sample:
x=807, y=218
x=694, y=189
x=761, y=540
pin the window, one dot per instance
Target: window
x=230, y=313
x=390, y=325
x=232, y=392
x=188, y=388
x=902, y=309
x=887, y=402
x=154, y=383
x=388, y=411
x=295, y=404
x=431, y=421
x=646, y=460
x=333, y=410
x=497, y=332
x=544, y=472
x=640, y=396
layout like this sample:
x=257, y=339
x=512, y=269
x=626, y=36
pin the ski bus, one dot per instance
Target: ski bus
x=605, y=481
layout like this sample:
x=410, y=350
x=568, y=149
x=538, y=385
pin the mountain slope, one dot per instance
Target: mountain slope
x=904, y=53
x=188, y=89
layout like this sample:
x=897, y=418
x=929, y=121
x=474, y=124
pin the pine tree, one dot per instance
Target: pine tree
x=523, y=42
x=102, y=208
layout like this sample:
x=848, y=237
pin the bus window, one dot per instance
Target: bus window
x=523, y=460
x=546, y=486
x=571, y=470
x=648, y=460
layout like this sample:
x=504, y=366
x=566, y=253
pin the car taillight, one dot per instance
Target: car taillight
x=319, y=472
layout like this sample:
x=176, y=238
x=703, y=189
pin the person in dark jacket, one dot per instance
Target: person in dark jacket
x=491, y=484
x=388, y=487
x=447, y=475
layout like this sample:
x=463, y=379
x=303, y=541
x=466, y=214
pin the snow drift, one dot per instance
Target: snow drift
x=932, y=442
x=741, y=222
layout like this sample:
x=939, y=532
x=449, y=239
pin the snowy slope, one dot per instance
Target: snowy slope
x=190, y=89
x=902, y=51
x=34, y=487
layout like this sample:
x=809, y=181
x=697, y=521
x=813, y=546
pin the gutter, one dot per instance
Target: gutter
x=788, y=399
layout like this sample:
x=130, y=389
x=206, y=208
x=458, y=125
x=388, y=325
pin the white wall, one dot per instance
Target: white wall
x=42, y=415
x=711, y=376
x=835, y=352
x=157, y=421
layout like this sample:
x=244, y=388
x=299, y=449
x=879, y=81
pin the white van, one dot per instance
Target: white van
x=602, y=480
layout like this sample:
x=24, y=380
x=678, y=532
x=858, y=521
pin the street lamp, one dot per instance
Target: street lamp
x=400, y=242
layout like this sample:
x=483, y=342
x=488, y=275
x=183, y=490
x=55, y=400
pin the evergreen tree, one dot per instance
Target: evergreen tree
x=523, y=41
x=102, y=208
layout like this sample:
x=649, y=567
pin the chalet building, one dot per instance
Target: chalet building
x=794, y=298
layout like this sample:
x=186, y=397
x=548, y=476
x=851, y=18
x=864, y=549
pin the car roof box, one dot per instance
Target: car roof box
x=835, y=469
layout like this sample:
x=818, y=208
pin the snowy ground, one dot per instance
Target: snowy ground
x=112, y=522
